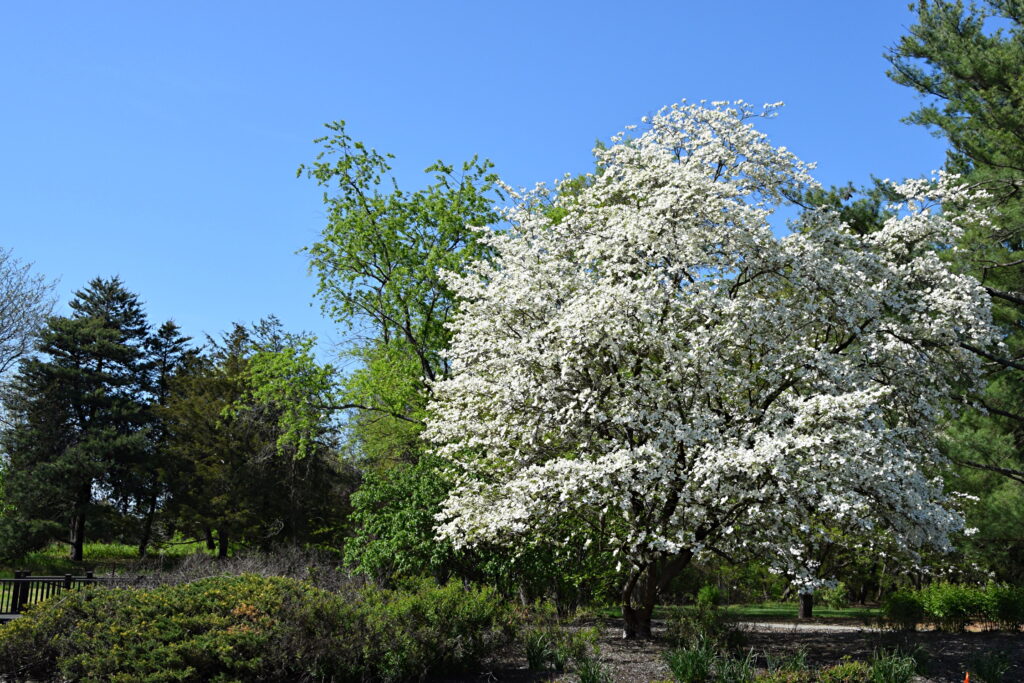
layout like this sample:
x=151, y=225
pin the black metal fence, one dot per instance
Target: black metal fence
x=23, y=590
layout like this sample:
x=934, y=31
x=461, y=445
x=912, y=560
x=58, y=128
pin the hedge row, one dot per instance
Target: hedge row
x=252, y=628
x=951, y=607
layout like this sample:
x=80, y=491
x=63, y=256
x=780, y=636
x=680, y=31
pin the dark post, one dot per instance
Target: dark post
x=88, y=575
x=20, y=591
x=67, y=581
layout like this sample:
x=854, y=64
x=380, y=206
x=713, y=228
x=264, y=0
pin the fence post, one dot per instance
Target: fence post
x=67, y=581
x=21, y=591
x=88, y=575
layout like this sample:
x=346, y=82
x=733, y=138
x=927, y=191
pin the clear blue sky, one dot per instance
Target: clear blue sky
x=159, y=141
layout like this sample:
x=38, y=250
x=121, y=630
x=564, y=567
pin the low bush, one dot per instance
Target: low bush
x=694, y=663
x=251, y=628
x=1004, y=606
x=903, y=609
x=990, y=666
x=791, y=668
x=952, y=606
x=702, y=662
x=709, y=595
x=846, y=672
x=708, y=624
x=892, y=667
x=836, y=597
x=553, y=648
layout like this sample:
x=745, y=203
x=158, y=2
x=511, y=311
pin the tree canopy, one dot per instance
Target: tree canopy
x=660, y=367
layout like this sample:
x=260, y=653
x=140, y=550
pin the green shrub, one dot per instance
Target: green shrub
x=846, y=672
x=590, y=670
x=705, y=623
x=990, y=666
x=782, y=676
x=554, y=648
x=1004, y=606
x=952, y=606
x=253, y=629
x=836, y=597
x=892, y=667
x=694, y=663
x=791, y=668
x=735, y=669
x=441, y=629
x=903, y=609
x=709, y=595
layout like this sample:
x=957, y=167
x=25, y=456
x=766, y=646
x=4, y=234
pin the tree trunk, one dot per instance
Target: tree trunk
x=222, y=543
x=806, y=605
x=147, y=527
x=76, y=537
x=641, y=592
x=211, y=544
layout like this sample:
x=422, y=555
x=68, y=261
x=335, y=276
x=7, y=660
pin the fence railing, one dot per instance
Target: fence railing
x=23, y=590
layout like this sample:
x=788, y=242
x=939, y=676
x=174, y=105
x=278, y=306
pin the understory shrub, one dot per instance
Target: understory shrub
x=836, y=597
x=252, y=628
x=706, y=623
x=952, y=606
x=709, y=595
x=1004, y=606
x=892, y=667
x=846, y=672
x=990, y=666
x=553, y=648
x=903, y=610
x=702, y=662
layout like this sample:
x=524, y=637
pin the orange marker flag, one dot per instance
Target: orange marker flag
x=967, y=678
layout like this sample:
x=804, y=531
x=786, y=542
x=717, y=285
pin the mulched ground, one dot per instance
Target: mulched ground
x=641, y=662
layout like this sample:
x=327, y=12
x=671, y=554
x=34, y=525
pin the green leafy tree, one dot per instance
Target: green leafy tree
x=377, y=266
x=167, y=352
x=967, y=63
x=79, y=418
x=233, y=477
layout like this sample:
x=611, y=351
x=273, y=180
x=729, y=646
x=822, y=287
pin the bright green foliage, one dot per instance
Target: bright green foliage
x=377, y=266
x=952, y=606
x=393, y=538
x=250, y=628
x=701, y=662
x=235, y=473
x=836, y=597
x=303, y=391
x=393, y=521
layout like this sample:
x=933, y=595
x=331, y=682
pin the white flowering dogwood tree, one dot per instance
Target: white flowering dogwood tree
x=652, y=362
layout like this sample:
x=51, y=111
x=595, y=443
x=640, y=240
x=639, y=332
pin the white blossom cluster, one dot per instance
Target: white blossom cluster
x=652, y=360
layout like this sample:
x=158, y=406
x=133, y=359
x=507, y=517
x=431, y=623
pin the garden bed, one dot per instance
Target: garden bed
x=642, y=662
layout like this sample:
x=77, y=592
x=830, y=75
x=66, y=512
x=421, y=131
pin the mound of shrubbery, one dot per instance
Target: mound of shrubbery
x=951, y=607
x=254, y=628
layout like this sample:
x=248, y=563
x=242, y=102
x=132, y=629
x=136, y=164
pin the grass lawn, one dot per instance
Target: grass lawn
x=768, y=611
x=99, y=557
